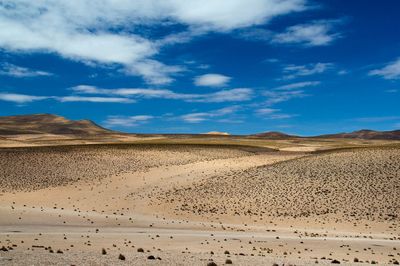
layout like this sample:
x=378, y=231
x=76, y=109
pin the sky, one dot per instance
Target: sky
x=187, y=66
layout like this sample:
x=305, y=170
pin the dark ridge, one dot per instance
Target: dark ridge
x=273, y=135
x=365, y=134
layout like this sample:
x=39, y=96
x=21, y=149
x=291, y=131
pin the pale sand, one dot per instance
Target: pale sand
x=301, y=149
x=132, y=209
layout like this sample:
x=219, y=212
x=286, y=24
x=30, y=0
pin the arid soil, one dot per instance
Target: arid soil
x=42, y=167
x=344, y=186
x=198, y=205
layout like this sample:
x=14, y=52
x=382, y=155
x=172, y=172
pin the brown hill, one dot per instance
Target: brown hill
x=48, y=124
x=273, y=135
x=366, y=134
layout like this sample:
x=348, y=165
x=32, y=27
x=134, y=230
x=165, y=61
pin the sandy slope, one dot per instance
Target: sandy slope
x=131, y=207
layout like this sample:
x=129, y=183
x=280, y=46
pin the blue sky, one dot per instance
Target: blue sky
x=175, y=66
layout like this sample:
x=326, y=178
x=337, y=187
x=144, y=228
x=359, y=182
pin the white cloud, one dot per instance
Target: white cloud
x=20, y=98
x=94, y=99
x=274, y=97
x=211, y=80
x=154, y=72
x=317, y=33
x=273, y=114
x=298, y=85
x=127, y=121
x=266, y=111
x=226, y=15
x=108, y=32
x=390, y=71
x=24, y=98
x=21, y=72
x=293, y=71
x=287, y=92
x=203, y=116
x=232, y=95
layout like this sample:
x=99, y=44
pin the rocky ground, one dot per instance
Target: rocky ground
x=344, y=186
x=198, y=205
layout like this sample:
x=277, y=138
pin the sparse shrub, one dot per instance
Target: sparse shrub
x=228, y=261
x=121, y=257
x=103, y=251
x=140, y=250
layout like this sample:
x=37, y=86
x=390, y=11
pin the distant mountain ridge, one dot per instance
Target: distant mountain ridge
x=360, y=134
x=366, y=134
x=58, y=125
x=48, y=124
x=273, y=135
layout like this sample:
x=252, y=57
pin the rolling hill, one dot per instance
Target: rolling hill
x=366, y=134
x=273, y=135
x=48, y=124
x=58, y=125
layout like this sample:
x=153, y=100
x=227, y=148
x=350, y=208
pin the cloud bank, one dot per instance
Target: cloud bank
x=108, y=32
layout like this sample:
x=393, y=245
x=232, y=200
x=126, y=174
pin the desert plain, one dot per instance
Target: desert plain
x=198, y=200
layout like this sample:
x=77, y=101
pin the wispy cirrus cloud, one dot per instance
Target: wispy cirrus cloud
x=203, y=116
x=287, y=92
x=273, y=114
x=131, y=95
x=294, y=71
x=231, y=95
x=390, y=71
x=12, y=70
x=274, y=97
x=298, y=85
x=127, y=121
x=317, y=33
x=20, y=98
x=211, y=80
x=266, y=111
x=154, y=72
x=24, y=98
x=94, y=99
